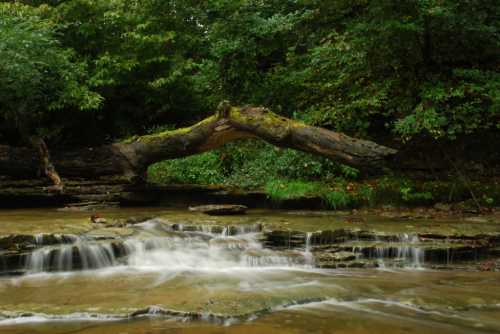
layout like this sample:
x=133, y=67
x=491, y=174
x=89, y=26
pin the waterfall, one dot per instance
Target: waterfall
x=405, y=249
x=207, y=229
x=413, y=254
x=39, y=239
x=308, y=242
x=309, y=258
x=158, y=245
x=80, y=255
x=155, y=247
x=380, y=254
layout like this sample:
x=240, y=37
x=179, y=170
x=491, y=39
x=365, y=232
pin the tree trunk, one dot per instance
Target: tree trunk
x=46, y=165
x=131, y=158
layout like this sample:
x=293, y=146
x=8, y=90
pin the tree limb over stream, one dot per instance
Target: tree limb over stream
x=131, y=158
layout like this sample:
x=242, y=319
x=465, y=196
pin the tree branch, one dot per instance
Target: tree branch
x=130, y=158
x=234, y=123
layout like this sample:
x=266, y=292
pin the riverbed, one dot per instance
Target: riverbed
x=175, y=271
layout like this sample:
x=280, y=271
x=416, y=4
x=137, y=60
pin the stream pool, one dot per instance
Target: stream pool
x=181, y=272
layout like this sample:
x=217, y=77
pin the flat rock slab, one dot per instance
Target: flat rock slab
x=89, y=206
x=220, y=209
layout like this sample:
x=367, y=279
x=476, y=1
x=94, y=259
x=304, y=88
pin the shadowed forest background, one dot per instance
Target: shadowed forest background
x=420, y=76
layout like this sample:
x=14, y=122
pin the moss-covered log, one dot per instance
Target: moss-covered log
x=131, y=157
x=233, y=123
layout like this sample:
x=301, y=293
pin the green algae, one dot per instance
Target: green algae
x=147, y=139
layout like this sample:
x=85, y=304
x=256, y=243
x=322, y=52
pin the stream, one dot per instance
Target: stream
x=174, y=271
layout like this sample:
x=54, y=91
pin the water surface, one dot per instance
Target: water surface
x=204, y=281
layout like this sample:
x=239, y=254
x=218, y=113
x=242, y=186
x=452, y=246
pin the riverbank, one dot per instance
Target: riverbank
x=474, y=197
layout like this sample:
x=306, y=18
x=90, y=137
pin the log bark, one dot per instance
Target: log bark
x=131, y=158
x=46, y=165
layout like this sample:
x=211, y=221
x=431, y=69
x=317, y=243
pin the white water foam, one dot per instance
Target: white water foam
x=405, y=250
x=41, y=318
x=198, y=249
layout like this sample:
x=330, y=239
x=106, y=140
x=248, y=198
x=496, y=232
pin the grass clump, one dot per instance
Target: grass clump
x=337, y=199
x=280, y=190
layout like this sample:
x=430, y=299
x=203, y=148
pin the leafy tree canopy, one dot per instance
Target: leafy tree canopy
x=393, y=68
x=38, y=77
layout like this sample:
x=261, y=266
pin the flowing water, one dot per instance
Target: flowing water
x=189, y=273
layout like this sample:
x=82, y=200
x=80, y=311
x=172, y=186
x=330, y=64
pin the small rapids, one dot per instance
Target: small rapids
x=207, y=275
x=158, y=246
x=81, y=255
x=406, y=250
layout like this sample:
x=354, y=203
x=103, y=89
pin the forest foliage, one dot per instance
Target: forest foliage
x=88, y=72
x=125, y=67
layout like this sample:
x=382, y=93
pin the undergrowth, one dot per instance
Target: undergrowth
x=285, y=174
x=280, y=190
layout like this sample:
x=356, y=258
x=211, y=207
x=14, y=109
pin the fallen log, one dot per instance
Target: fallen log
x=130, y=158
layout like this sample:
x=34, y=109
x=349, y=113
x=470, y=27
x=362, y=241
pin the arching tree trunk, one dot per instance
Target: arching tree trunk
x=130, y=158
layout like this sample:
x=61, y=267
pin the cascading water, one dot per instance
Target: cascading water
x=409, y=250
x=156, y=275
x=308, y=241
x=309, y=258
x=79, y=255
x=191, y=252
x=405, y=250
x=157, y=246
x=39, y=239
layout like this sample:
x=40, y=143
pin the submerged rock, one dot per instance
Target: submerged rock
x=220, y=209
x=17, y=241
x=230, y=230
x=98, y=220
x=331, y=260
x=109, y=233
x=30, y=242
x=124, y=222
x=137, y=220
x=89, y=206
